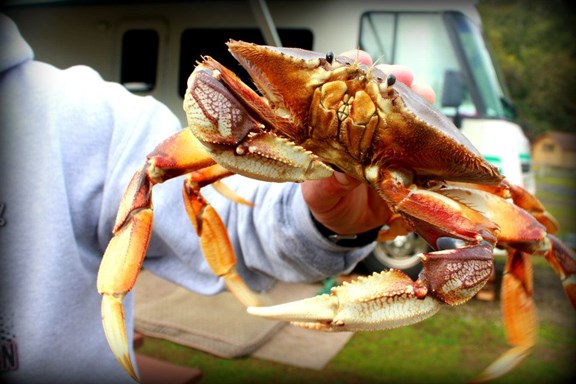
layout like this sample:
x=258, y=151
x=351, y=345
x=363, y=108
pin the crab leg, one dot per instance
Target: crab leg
x=391, y=299
x=563, y=261
x=560, y=257
x=525, y=236
x=528, y=231
x=122, y=261
x=451, y=276
x=179, y=154
x=381, y=301
x=519, y=315
x=523, y=232
x=521, y=197
x=530, y=203
x=214, y=240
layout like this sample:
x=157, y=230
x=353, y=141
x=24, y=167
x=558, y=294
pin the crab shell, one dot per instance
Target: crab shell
x=354, y=118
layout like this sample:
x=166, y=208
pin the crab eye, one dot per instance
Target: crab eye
x=330, y=57
x=390, y=80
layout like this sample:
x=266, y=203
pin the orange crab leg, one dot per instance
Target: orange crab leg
x=521, y=197
x=179, y=154
x=563, y=262
x=435, y=215
x=212, y=176
x=523, y=230
x=122, y=261
x=519, y=315
x=529, y=230
x=530, y=203
x=518, y=228
x=214, y=240
x=560, y=257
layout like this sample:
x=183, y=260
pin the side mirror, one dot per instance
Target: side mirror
x=453, y=93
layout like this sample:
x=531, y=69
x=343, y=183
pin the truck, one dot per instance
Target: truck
x=151, y=47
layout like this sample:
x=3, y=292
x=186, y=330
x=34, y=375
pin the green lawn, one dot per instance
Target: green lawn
x=448, y=348
x=557, y=191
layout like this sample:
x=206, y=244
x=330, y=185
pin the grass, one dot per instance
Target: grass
x=557, y=191
x=452, y=347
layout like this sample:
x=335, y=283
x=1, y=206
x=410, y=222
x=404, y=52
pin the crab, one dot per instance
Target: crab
x=316, y=114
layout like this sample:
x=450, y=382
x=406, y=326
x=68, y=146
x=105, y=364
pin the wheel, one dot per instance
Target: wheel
x=401, y=253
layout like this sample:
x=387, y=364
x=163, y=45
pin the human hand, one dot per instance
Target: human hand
x=342, y=203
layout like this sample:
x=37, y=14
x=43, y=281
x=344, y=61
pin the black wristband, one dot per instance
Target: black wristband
x=357, y=240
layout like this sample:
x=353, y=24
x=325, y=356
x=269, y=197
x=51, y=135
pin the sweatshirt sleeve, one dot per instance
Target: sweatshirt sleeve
x=277, y=238
x=274, y=240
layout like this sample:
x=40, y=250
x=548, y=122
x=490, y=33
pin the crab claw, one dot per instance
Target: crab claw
x=383, y=300
x=113, y=322
x=122, y=261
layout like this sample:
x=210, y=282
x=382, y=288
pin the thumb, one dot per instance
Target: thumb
x=323, y=195
x=344, y=182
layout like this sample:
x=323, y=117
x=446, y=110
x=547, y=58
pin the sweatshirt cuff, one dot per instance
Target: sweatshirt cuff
x=350, y=241
x=317, y=233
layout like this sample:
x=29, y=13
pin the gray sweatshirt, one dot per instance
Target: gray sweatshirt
x=70, y=142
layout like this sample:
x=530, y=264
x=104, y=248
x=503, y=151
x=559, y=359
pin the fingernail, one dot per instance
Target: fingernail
x=342, y=178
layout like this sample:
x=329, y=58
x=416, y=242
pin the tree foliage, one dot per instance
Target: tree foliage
x=533, y=42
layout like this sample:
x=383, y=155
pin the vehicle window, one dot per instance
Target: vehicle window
x=198, y=42
x=139, y=62
x=496, y=102
x=419, y=40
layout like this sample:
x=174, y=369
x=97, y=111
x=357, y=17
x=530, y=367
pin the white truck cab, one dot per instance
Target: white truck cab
x=444, y=46
x=152, y=47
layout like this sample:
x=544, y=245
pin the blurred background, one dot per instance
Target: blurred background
x=503, y=70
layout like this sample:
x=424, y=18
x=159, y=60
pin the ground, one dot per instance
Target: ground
x=451, y=347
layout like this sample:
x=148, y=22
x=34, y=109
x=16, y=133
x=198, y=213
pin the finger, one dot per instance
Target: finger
x=359, y=55
x=425, y=91
x=402, y=72
x=322, y=195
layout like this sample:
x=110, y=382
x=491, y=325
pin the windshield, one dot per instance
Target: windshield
x=481, y=67
x=438, y=46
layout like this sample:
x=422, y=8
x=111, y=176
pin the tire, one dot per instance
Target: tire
x=402, y=253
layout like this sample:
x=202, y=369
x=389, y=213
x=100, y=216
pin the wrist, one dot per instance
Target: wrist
x=353, y=240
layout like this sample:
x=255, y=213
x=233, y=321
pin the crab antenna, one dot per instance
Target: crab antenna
x=375, y=63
